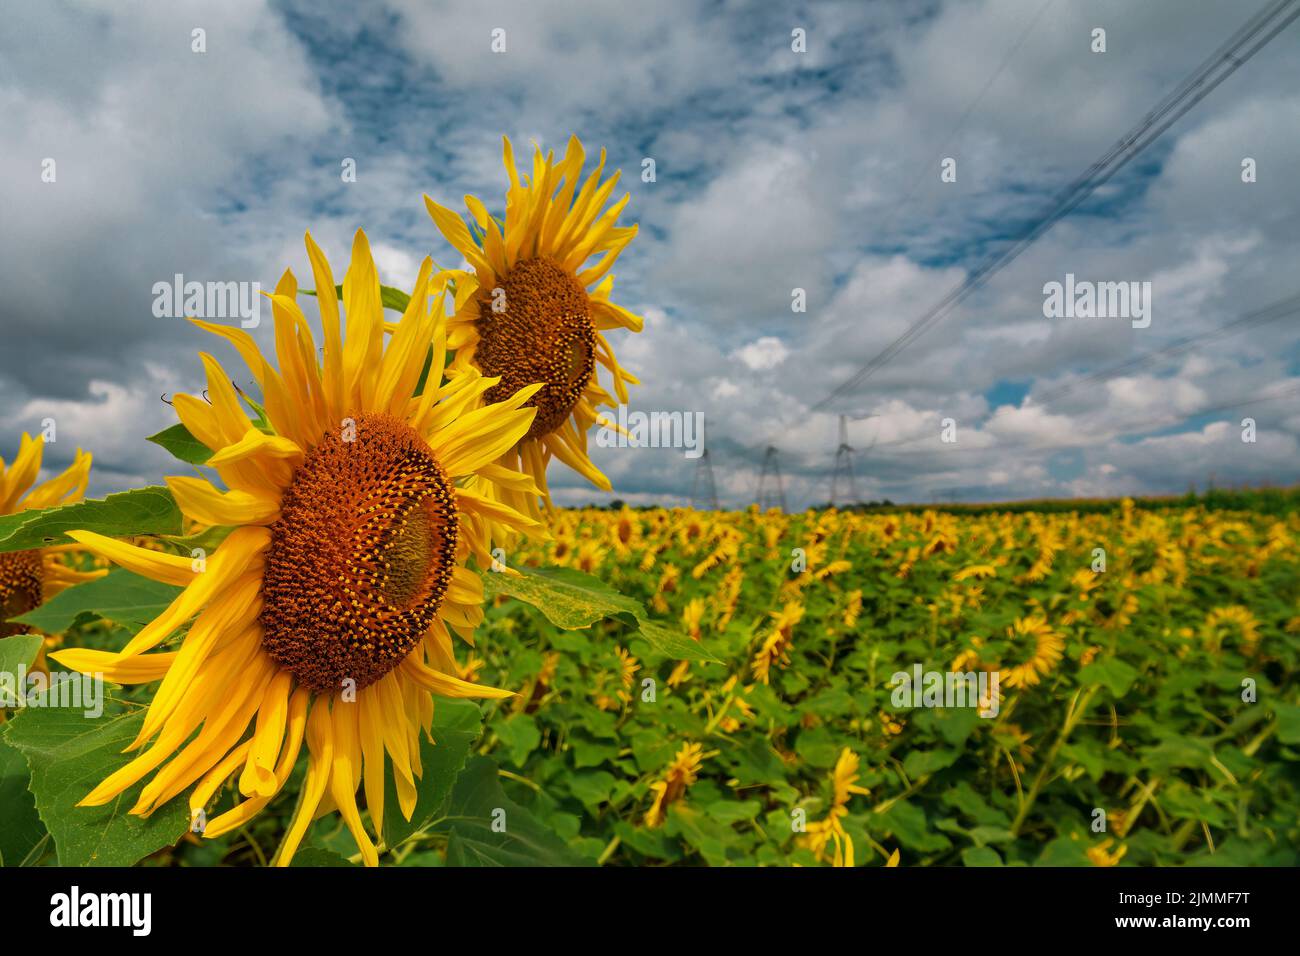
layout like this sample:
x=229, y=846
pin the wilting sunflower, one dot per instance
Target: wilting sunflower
x=534, y=311
x=679, y=776
x=776, y=647
x=830, y=830
x=324, y=614
x=28, y=578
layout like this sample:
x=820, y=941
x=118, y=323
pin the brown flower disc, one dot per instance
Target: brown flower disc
x=21, y=588
x=542, y=333
x=360, y=557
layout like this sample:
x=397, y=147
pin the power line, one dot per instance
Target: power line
x=1124, y=430
x=1270, y=313
x=889, y=217
x=1289, y=305
x=1248, y=40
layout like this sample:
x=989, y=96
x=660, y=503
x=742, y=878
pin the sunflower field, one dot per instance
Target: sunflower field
x=696, y=688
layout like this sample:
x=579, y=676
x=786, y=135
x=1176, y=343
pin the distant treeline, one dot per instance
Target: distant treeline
x=1273, y=501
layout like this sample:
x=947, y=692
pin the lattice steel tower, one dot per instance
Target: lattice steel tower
x=704, y=494
x=771, y=492
x=843, y=473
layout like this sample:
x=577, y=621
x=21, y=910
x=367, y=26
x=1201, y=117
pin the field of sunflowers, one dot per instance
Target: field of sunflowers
x=1149, y=711
x=696, y=688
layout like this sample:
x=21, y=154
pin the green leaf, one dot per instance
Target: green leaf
x=520, y=735
x=964, y=798
x=920, y=762
x=477, y=803
x=68, y=755
x=1288, y=723
x=456, y=725
x=980, y=856
x=1088, y=754
x=207, y=540
x=143, y=511
x=673, y=643
x=1178, y=750
x=22, y=830
x=1114, y=673
x=907, y=822
x=571, y=600
x=181, y=443
x=710, y=838
x=592, y=788
x=18, y=652
x=319, y=856
x=262, y=421
x=119, y=596
x=985, y=835
x=568, y=598
x=394, y=299
x=817, y=747
x=737, y=811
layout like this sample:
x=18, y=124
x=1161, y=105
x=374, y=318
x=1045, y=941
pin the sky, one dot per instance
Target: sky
x=775, y=170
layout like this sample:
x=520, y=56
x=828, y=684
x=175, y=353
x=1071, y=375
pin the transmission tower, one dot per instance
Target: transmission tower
x=771, y=493
x=843, y=468
x=704, y=495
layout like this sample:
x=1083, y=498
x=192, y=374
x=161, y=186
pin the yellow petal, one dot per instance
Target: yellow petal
x=167, y=568
x=141, y=669
x=258, y=444
x=232, y=558
x=199, y=500
x=320, y=746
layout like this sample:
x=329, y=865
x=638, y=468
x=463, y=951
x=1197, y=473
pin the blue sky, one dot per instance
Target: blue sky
x=775, y=170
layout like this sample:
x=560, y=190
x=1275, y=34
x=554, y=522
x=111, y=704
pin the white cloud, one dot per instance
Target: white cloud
x=764, y=353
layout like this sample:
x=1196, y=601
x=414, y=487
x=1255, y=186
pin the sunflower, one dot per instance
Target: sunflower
x=27, y=578
x=533, y=310
x=323, y=618
x=830, y=830
x=1047, y=650
x=776, y=647
x=681, y=773
x=1233, y=620
x=1102, y=855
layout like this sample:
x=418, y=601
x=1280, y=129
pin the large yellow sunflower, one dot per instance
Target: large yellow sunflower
x=324, y=614
x=27, y=578
x=533, y=310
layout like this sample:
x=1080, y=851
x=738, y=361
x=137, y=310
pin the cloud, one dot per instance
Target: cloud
x=764, y=353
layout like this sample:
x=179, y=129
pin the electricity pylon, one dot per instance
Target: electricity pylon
x=843, y=468
x=771, y=493
x=704, y=495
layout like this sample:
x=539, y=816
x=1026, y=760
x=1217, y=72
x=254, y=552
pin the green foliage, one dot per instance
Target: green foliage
x=120, y=596
x=394, y=299
x=182, y=445
x=485, y=828
x=67, y=754
x=143, y=511
x=571, y=599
